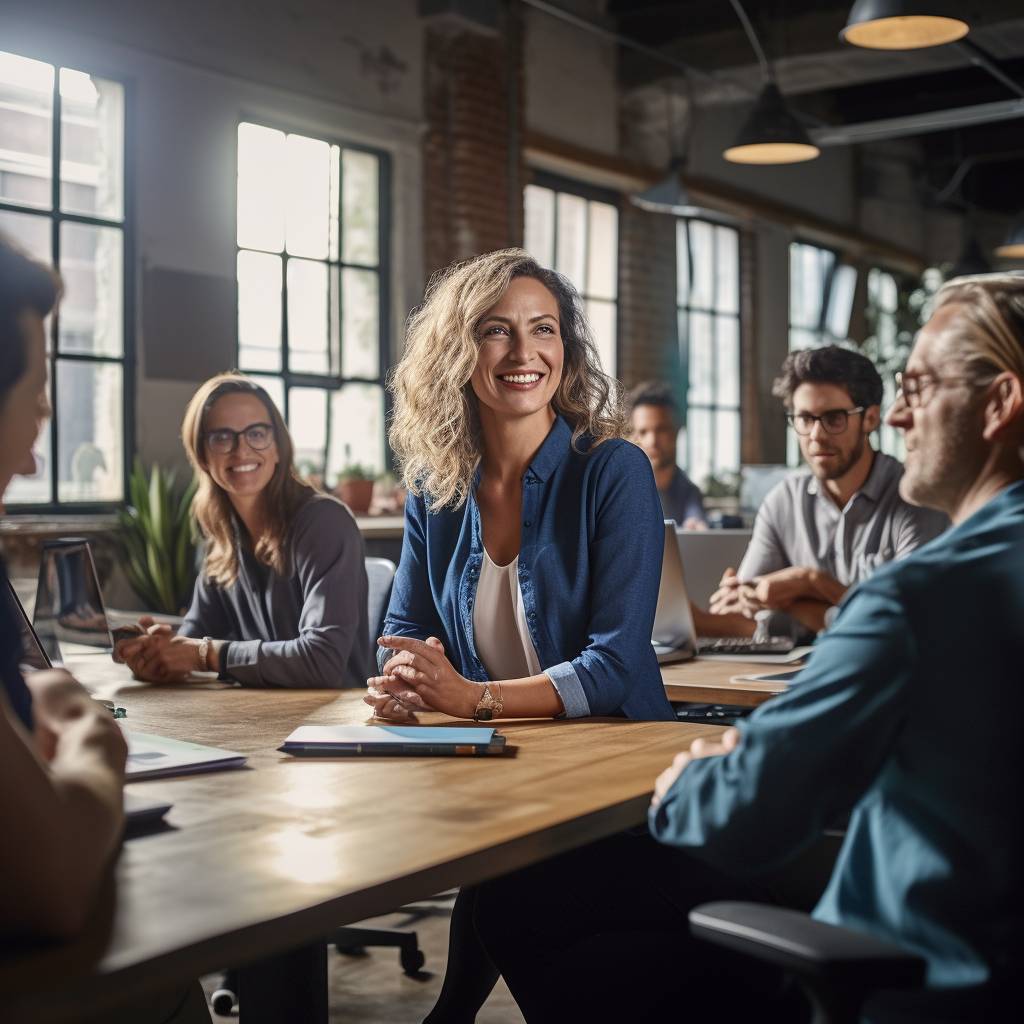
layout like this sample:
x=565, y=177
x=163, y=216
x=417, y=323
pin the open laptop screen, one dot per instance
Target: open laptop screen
x=69, y=605
x=33, y=655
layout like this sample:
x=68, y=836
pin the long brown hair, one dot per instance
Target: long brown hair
x=435, y=431
x=211, y=506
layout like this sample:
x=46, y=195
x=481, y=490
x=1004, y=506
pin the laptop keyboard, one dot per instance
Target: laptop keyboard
x=743, y=645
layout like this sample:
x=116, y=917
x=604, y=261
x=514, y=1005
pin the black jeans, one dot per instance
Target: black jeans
x=601, y=934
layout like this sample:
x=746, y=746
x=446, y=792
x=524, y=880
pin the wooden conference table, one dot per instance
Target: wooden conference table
x=707, y=681
x=272, y=857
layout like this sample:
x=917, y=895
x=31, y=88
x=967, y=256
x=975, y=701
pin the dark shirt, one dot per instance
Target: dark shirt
x=589, y=569
x=11, y=654
x=875, y=723
x=682, y=499
x=306, y=629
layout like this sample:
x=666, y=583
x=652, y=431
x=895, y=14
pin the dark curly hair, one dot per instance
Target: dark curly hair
x=653, y=392
x=830, y=364
x=25, y=285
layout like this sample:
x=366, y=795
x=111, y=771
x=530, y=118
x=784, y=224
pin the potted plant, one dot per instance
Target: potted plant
x=355, y=487
x=156, y=540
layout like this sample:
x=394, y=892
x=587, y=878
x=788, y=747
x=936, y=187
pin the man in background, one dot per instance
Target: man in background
x=654, y=427
x=819, y=533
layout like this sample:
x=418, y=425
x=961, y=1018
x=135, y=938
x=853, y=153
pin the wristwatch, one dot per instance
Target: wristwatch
x=204, y=653
x=488, y=706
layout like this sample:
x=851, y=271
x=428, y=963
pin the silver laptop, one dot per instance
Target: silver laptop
x=69, y=603
x=674, y=636
x=706, y=555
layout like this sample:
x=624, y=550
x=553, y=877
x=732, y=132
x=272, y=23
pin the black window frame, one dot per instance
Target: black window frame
x=332, y=382
x=592, y=193
x=127, y=359
x=712, y=311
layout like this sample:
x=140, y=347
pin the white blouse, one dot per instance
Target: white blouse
x=500, y=633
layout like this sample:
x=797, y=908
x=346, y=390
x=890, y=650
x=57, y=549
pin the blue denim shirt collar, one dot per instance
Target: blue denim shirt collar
x=553, y=452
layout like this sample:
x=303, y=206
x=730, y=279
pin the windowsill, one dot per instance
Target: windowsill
x=36, y=524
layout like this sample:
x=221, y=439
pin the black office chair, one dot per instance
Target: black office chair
x=838, y=968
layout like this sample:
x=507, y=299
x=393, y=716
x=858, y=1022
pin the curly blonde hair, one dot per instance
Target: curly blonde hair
x=435, y=429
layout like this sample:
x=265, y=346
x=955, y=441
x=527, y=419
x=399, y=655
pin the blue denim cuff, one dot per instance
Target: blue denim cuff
x=568, y=686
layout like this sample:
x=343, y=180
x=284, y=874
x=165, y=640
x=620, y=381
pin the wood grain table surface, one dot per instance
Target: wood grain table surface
x=276, y=854
x=708, y=681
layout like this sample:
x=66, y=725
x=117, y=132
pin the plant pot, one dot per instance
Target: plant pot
x=357, y=494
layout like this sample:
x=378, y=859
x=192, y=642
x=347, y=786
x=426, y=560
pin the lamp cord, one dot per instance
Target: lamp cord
x=766, y=68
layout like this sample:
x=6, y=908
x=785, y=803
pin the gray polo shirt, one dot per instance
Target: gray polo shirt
x=799, y=524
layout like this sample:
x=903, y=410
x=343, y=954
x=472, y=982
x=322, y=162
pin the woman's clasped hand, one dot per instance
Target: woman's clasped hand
x=419, y=677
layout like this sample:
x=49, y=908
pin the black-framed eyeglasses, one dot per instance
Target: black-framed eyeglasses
x=833, y=421
x=258, y=436
x=912, y=387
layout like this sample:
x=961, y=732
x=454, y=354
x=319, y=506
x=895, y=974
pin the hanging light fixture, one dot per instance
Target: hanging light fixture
x=669, y=195
x=1013, y=247
x=902, y=24
x=771, y=134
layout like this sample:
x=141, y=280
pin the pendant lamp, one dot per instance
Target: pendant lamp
x=902, y=24
x=770, y=134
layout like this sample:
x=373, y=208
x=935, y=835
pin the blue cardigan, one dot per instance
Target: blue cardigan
x=589, y=569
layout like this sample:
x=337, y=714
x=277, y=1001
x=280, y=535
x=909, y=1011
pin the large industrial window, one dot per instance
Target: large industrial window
x=708, y=301
x=575, y=230
x=62, y=200
x=312, y=290
x=887, y=348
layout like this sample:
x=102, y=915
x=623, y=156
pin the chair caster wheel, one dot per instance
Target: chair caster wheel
x=412, y=962
x=223, y=1002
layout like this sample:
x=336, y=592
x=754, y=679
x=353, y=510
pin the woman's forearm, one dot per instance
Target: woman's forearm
x=532, y=697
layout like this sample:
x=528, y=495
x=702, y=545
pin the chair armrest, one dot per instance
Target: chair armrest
x=808, y=948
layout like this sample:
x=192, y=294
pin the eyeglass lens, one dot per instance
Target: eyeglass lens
x=258, y=437
x=834, y=421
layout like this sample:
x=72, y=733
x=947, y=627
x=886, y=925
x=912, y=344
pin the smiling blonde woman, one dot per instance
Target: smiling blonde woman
x=533, y=532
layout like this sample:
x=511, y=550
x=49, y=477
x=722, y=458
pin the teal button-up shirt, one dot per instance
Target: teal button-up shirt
x=910, y=714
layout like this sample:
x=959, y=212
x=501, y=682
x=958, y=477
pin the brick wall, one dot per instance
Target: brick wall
x=648, y=326
x=473, y=172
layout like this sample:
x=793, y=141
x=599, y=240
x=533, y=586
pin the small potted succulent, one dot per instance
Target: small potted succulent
x=355, y=487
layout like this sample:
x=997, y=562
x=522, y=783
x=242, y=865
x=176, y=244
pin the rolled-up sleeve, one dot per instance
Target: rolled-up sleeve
x=806, y=757
x=625, y=570
x=327, y=552
x=411, y=611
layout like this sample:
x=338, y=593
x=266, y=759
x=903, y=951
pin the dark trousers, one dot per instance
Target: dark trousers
x=601, y=934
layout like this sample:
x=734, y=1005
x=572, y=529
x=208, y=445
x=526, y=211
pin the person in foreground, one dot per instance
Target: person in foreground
x=531, y=561
x=818, y=533
x=282, y=597
x=62, y=755
x=653, y=426
x=874, y=725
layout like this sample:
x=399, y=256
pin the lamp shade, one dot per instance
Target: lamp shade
x=669, y=195
x=1013, y=247
x=771, y=134
x=902, y=24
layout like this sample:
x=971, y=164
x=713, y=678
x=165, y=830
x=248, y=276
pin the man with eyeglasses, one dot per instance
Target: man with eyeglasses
x=819, y=533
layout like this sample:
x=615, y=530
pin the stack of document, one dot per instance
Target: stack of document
x=391, y=740
x=155, y=757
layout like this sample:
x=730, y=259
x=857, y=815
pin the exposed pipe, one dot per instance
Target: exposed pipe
x=981, y=59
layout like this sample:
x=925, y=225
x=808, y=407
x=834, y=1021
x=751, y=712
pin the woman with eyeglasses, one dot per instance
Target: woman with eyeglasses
x=282, y=596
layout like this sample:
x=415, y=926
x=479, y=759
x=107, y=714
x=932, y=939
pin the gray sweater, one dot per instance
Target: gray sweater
x=306, y=629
